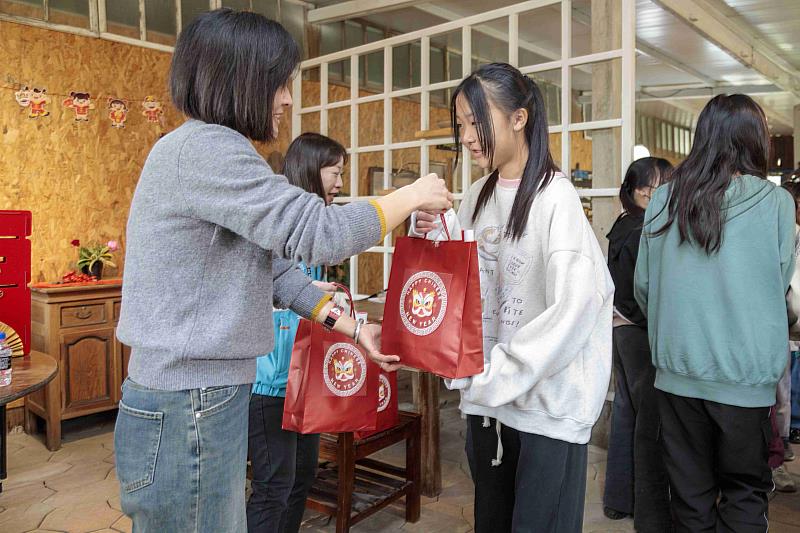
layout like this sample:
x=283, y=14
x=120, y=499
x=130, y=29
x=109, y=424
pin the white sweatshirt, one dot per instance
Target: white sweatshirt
x=547, y=314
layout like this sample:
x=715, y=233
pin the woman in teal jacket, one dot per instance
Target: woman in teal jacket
x=715, y=260
x=284, y=462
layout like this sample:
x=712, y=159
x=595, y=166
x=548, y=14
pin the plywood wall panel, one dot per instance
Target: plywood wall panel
x=77, y=178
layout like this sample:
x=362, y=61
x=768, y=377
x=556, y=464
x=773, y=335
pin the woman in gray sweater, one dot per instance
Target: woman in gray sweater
x=197, y=318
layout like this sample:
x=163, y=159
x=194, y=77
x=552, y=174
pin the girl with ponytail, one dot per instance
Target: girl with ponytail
x=547, y=312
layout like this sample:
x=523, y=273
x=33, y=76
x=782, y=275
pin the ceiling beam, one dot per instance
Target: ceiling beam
x=356, y=8
x=668, y=60
x=676, y=93
x=741, y=41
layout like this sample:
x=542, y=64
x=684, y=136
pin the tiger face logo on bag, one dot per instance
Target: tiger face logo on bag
x=344, y=369
x=423, y=303
x=384, y=393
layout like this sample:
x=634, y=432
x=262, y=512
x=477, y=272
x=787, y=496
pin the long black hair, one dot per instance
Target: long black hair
x=731, y=138
x=509, y=90
x=306, y=156
x=227, y=67
x=644, y=172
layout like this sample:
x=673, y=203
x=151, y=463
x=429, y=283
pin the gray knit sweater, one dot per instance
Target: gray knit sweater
x=200, y=282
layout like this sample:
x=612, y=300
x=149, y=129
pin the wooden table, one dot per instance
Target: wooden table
x=29, y=374
x=426, y=399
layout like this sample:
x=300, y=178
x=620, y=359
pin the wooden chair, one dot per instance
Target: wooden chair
x=352, y=487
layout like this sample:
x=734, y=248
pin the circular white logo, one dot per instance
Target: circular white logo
x=423, y=303
x=384, y=393
x=344, y=369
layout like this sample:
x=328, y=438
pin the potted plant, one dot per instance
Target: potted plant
x=92, y=258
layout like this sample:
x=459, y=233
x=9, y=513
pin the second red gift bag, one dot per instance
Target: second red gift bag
x=332, y=385
x=432, y=318
x=388, y=415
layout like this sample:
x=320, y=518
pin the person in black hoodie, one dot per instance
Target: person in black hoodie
x=636, y=482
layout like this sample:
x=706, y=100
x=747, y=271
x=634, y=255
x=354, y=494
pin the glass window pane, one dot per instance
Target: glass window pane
x=446, y=45
x=437, y=65
x=190, y=9
x=27, y=8
x=544, y=43
x=123, y=18
x=488, y=42
x=293, y=19
x=330, y=38
x=401, y=71
x=268, y=8
x=375, y=70
x=70, y=13
x=241, y=5
x=160, y=21
x=416, y=58
x=353, y=34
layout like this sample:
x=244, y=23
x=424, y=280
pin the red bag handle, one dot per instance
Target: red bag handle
x=444, y=224
x=349, y=297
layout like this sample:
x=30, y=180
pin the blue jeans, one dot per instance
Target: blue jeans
x=181, y=458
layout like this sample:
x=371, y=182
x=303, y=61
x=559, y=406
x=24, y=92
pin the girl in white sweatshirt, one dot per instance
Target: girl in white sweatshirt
x=547, y=313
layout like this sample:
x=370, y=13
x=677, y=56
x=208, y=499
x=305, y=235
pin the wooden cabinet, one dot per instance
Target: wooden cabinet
x=76, y=326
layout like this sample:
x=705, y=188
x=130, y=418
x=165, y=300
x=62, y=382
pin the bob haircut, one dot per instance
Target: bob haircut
x=227, y=67
x=307, y=155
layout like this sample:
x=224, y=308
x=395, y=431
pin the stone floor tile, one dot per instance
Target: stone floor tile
x=114, y=503
x=21, y=497
x=19, y=519
x=80, y=452
x=79, y=518
x=93, y=493
x=594, y=521
x=33, y=474
x=123, y=525
x=79, y=476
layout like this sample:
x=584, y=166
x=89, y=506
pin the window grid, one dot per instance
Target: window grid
x=425, y=87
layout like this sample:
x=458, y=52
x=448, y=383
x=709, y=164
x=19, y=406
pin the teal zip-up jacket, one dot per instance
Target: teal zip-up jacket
x=272, y=370
x=718, y=324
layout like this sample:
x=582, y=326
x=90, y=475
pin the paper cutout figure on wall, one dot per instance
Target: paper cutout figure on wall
x=117, y=112
x=35, y=99
x=81, y=103
x=152, y=109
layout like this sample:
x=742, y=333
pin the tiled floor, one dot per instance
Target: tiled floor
x=75, y=488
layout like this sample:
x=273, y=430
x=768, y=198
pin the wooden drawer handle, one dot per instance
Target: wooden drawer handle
x=83, y=313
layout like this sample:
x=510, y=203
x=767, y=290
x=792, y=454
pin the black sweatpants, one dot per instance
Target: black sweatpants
x=715, y=451
x=636, y=480
x=539, y=486
x=284, y=467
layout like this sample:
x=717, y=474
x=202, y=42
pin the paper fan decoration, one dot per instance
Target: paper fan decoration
x=12, y=340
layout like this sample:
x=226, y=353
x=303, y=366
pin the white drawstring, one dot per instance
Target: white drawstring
x=497, y=461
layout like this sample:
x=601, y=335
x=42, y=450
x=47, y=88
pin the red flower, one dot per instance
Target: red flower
x=75, y=243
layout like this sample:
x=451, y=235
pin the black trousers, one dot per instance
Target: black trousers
x=540, y=485
x=636, y=480
x=284, y=467
x=716, y=458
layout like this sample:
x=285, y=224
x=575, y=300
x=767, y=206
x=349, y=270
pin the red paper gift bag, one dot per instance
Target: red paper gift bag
x=388, y=416
x=432, y=318
x=332, y=385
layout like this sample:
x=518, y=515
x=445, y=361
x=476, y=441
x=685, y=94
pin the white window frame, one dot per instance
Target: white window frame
x=98, y=23
x=565, y=63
